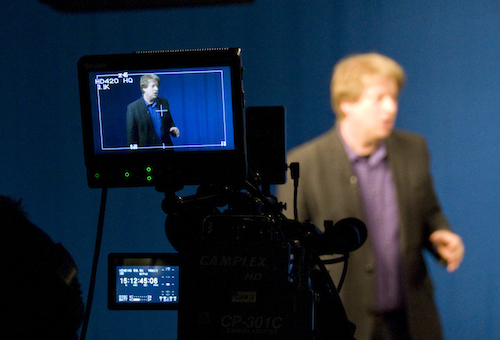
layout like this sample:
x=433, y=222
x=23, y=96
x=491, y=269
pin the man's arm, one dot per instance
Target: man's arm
x=444, y=243
x=170, y=127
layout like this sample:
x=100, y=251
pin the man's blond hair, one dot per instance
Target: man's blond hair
x=349, y=73
x=145, y=79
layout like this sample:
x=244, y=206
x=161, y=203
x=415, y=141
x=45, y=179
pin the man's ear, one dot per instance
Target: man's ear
x=345, y=107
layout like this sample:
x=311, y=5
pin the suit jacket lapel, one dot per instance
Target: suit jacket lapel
x=345, y=177
x=398, y=165
x=145, y=116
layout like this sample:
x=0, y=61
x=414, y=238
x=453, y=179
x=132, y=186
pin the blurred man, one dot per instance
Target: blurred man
x=363, y=168
x=40, y=297
x=149, y=122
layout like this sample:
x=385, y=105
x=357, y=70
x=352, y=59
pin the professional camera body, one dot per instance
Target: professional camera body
x=243, y=270
x=250, y=273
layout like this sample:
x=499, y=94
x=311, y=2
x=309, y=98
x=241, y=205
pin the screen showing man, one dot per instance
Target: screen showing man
x=149, y=121
x=197, y=116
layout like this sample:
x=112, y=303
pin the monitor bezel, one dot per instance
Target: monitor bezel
x=158, y=168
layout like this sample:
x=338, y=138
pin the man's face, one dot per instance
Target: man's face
x=374, y=113
x=151, y=91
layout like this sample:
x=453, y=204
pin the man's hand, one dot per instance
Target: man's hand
x=174, y=131
x=449, y=246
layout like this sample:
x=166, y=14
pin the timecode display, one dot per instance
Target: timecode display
x=135, y=281
x=147, y=284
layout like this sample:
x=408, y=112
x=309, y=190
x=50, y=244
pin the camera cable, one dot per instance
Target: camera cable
x=97, y=251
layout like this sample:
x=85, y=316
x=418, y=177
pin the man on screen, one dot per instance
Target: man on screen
x=149, y=121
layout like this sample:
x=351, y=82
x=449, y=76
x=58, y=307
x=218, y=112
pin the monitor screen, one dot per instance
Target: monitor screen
x=143, y=281
x=161, y=117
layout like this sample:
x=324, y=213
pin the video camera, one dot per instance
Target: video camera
x=243, y=270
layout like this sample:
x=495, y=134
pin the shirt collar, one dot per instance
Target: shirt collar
x=375, y=158
x=152, y=105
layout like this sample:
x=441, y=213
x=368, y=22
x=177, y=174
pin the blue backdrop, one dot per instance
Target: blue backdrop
x=449, y=49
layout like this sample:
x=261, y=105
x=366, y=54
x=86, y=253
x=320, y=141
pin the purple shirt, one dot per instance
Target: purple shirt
x=378, y=195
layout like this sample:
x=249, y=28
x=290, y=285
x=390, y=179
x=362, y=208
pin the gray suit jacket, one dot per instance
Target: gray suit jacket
x=328, y=191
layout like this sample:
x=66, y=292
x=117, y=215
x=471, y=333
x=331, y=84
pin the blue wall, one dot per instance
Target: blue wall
x=450, y=50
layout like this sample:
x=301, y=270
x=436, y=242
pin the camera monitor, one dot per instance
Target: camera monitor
x=144, y=281
x=152, y=118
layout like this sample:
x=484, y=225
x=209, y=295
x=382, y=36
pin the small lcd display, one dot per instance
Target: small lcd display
x=144, y=281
